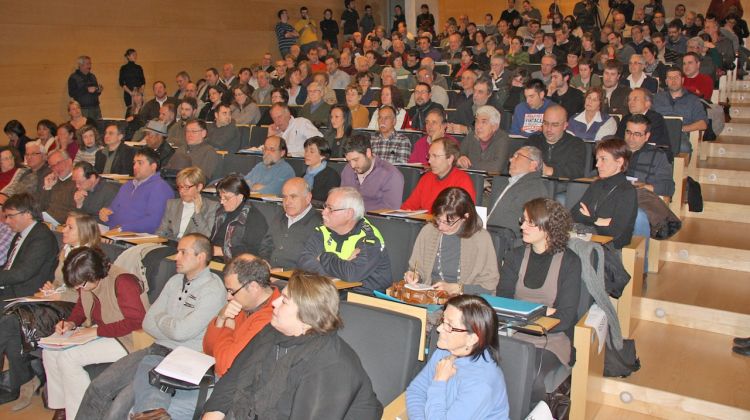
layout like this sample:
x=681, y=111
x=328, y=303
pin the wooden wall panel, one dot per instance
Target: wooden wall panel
x=39, y=43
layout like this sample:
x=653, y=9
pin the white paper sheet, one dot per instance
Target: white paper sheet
x=186, y=365
x=597, y=320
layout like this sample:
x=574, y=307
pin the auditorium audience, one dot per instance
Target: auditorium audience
x=320, y=177
x=196, y=151
x=56, y=198
x=379, y=182
x=31, y=262
x=615, y=99
x=485, y=148
x=609, y=205
x=443, y=174
x=560, y=91
x=11, y=168
x=331, y=382
x=115, y=157
x=111, y=305
x=238, y=226
x=179, y=317
x=592, y=124
x=454, y=253
x=387, y=143
x=463, y=378
x=293, y=130
x=89, y=143
x=140, y=203
x=92, y=193
x=85, y=89
x=32, y=180
x=564, y=154
x=190, y=213
x=545, y=271
x=640, y=101
x=288, y=229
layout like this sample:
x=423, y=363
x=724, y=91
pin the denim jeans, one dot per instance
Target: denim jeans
x=643, y=228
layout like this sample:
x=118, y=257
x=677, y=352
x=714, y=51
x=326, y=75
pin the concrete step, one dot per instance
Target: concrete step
x=725, y=163
x=728, y=139
x=738, y=127
x=722, y=202
x=685, y=373
x=722, y=177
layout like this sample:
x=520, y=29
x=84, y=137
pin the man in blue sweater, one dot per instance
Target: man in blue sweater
x=528, y=115
x=140, y=203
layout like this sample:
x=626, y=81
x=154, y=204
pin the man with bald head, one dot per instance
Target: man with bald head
x=564, y=154
x=639, y=102
x=288, y=229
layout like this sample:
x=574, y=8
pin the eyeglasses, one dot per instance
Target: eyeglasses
x=185, y=187
x=448, y=223
x=13, y=214
x=634, y=133
x=448, y=328
x=331, y=209
x=529, y=223
x=82, y=285
x=517, y=154
x=234, y=292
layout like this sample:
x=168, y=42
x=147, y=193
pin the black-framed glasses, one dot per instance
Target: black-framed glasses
x=184, y=187
x=448, y=328
x=82, y=285
x=449, y=223
x=529, y=223
x=234, y=292
x=14, y=214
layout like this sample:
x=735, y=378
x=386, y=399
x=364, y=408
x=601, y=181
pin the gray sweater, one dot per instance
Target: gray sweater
x=181, y=313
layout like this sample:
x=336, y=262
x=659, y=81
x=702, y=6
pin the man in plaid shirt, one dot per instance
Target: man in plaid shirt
x=387, y=144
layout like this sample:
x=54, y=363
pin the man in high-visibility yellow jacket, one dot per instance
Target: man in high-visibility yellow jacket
x=347, y=246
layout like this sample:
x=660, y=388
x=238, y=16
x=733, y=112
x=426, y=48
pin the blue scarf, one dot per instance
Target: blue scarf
x=310, y=173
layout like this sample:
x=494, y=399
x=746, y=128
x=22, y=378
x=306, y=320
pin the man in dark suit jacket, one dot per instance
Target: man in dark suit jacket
x=92, y=192
x=116, y=157
x=32, y=259
x=616, y=95
x=510, y=194
x=283, y=243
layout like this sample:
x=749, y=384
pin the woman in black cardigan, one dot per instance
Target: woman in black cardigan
x=610, y=204
x=319, y=176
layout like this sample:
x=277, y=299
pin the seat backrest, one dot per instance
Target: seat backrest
x=258, y=135
x=588, y=165
x=411, y=178
x=340, y=96
x=478, y=180
x=399, y=236
x=517, y=360
x=674, y=130
x=516, y=142
x=298, y=164
x=244, y=135
x=574, y=192
x=390, y=356
x=237, y=163
x=269, y=209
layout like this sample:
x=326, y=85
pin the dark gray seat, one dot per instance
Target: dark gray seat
x=390, y=356
x=399, y=236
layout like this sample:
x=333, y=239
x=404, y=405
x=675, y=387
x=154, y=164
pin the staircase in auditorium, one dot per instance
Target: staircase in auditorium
x=699, y=300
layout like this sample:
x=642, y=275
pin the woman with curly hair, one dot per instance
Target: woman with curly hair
x=545, y=271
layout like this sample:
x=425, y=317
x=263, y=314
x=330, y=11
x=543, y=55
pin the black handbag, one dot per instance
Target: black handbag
x=38, y=319
x=171, y=385
x=621, y=363
x=615, y=275
x=694, y=195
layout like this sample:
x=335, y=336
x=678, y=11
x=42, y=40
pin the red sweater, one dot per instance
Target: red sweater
x=224, y=344
x=129, y=299
x=701, y=85
x=430, y=186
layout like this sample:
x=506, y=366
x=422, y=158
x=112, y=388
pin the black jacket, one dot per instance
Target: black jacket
x=34, y=264
x=418, y=113
x=282, y=244
x=325, y=180
x=567, y=157
x=326, y=383
x=614, y=198
x=618, y=101
x=122, y=162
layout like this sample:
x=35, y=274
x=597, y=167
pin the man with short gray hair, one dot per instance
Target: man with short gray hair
x=84, y=88
x=510, y=194
x=485, y=147
x=347, y=246
x=58, y=188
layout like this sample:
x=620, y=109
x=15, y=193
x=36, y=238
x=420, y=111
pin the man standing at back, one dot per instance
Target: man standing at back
x=84, y=88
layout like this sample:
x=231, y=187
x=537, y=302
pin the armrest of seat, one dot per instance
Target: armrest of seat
x=587, y=372
x=141, y=339
x=396, y=409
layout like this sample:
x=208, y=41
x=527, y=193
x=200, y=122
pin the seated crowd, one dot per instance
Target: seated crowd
x=503, y=99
